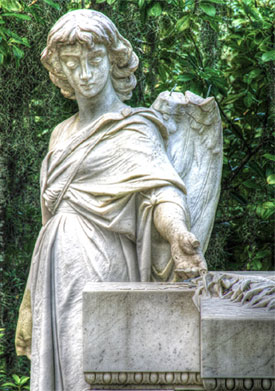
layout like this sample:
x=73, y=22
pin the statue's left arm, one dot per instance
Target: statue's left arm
x=172, y=223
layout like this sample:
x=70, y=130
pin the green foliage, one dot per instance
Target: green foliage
x=17, y=383
x=211, y=47
x=30, y=107
x=13, y=382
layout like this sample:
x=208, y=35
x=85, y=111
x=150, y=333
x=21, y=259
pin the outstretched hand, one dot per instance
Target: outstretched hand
x=187, y=255
x=171, y=222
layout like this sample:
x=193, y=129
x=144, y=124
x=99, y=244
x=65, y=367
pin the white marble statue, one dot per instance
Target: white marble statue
x=114, y=203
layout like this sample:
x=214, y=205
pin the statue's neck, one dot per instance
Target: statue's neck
x=104, y=102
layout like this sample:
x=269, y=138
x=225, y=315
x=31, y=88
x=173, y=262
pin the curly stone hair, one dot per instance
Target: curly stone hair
x=91, y=27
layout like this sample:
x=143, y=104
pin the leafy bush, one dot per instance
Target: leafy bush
x=17, y=383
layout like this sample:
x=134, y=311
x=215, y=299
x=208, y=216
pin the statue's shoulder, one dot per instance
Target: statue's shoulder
x=149, y=117
x=59, y=129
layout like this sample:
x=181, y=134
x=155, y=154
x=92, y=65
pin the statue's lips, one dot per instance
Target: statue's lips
x=87, y=85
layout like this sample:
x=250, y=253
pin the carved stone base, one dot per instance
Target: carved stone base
x=239, y=384
x=140, y=328
x=151, y=337
x=132, y=381
x=145, y=380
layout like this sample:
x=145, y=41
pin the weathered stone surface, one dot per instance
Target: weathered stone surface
x=231, y=384
x=140, y=327
x=144, y=336
x=236, y=342
x=249, y=289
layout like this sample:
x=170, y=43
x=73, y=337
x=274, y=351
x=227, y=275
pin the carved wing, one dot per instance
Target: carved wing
x=194, y=147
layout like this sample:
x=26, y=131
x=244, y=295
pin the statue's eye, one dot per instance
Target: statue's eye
x=71, y=64
x=95, y=60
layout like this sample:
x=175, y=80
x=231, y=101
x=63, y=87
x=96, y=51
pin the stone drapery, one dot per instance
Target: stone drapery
x=98, y=192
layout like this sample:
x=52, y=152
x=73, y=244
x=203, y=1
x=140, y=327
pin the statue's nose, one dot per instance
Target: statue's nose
x=86, y=71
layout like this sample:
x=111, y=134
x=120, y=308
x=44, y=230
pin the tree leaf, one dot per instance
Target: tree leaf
x=110, y=2
x=26, y=42
x=271, y=179
x=141, y=3
x=15, y=37
x=18, y=41
x=233, y=98
x=262, y=253
x=216, y=1
x=250, y=184
x=214, y=25
x=162, y=73
x=239, y=22
x=17, y=52
x=16, y=378
x=253, y=74
x=186, y=77
x=183, y=23
x=9, y=384
x=257, y=265
x=269, y=156
x=155, y=11
x=257, y=169
x=52, y=4
x=266, y=210
x=269, y=204
x=209, y=9
x=238, y=197
x=24, y=380
x=18, y=16
x=248, y=100
x=10, y=5
x=269, y=56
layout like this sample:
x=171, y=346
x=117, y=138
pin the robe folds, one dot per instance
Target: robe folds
x=98, y=192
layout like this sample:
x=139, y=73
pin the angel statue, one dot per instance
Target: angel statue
x=127, y=194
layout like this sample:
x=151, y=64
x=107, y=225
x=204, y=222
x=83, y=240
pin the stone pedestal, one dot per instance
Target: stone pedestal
x=237, y=346
x=141, y=335
x=150, y=336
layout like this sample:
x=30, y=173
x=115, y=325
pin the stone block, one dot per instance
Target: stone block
x=145, y=336
x=236, y=342
x=141, y=333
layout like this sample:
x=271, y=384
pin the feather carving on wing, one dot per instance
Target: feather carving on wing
x=194, y=147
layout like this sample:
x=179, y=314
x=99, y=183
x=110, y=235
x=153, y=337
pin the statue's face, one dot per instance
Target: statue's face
x=87, y=70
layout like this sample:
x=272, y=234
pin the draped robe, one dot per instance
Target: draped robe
x=99, y=189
